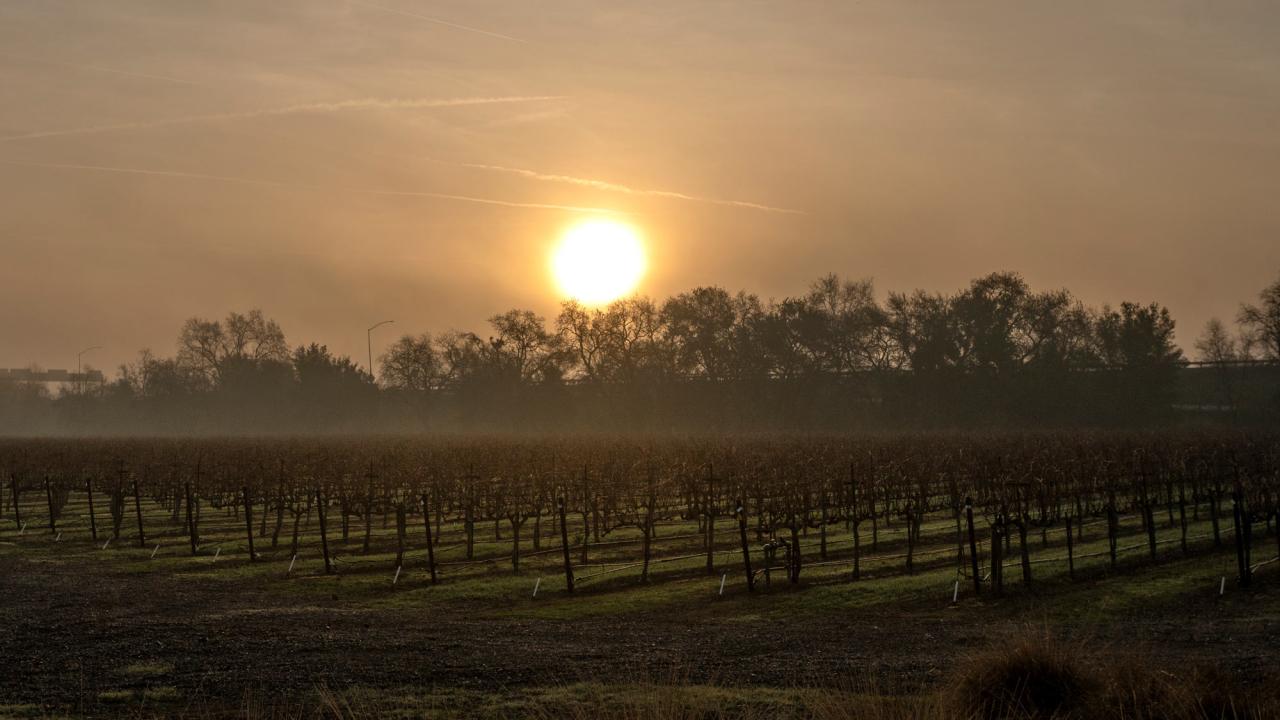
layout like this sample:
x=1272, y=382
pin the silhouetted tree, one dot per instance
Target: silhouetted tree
x=1216, y=345
x=710, y=332
x=1261, y=323
x=637, y=346
x=996, y=352
x=991, y=321
x=1137, y=341
x=209, y=347
x=412, y=363
x=839, y=323
x=462, y=356
x=333, y=392
x=523, y=349
x=584, y=334
x=155, y=377
x=925, y=331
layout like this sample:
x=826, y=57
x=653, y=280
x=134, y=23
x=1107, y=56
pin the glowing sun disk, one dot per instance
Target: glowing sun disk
x=598, y=261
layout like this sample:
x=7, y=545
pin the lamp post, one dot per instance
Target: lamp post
x=79, y=375
x=368, y=336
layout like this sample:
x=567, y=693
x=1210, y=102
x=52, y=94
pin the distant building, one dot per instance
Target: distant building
x=50, y=376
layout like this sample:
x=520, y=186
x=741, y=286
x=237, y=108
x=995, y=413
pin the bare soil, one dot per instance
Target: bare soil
x=73, y=630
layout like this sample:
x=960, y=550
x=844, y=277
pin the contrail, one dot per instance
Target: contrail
x=287, y=110
x=615, y=187
x=97, y=68
x=437, y=21
x=316, y=188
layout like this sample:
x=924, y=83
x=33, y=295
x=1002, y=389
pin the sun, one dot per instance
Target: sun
x=598, y=261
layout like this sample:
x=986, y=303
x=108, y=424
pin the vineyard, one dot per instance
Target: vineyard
x=583, y=515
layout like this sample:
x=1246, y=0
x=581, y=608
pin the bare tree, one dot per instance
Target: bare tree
x=209, y=346
x=524, y=348
x=412, y=363
x=1215, y=345
x=584, y=333
x=1261, y=323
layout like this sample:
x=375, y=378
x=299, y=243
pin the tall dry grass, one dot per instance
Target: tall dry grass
x=1034, y=677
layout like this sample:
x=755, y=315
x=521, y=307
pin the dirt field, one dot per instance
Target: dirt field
x=88, y=632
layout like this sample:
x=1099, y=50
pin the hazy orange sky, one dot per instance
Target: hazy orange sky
x=337, y=162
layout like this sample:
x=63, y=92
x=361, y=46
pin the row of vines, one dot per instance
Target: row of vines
x=770, y=508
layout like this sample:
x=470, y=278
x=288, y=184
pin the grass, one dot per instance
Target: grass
x=677, y=586
x=1036, y=677
x=680, y=588
x=142, y=669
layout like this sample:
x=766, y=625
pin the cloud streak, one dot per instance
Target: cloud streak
x=98, y=68
x=329, y=107
x=437, y=21
x=313, y=188
x=624, y=189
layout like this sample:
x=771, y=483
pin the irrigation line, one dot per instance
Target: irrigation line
x=1264, y=562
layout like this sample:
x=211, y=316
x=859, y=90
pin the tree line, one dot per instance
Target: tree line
x=835, y=357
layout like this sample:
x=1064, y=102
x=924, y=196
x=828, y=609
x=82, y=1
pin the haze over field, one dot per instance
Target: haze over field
x=341, y=162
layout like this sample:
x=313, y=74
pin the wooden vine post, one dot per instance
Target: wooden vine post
x=400, y=521
x=822, y=526
x=909, y=515
x=1023, y=551
x=431, y=551
x=997, y=555
x=746, y=551
x=1149, y=519
x=855, y=520
x=468, y=518
x=648, y=529
x=93, y=522
x=368, y=509
x=1113, y=528
x=191, y=522
x=1182, y=516
x=1071, y=552
x=711, y=519
x=973, y=547
x=1214, y=510
x=1277, y=525
x=137, y=512
x=248, y=522
x=1239, y=517
x=324, y=536
x=564, y=545
x=17, y=510
x=53, y=519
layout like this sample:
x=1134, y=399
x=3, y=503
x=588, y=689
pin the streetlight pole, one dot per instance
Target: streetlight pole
x=368, y=336
x=79, y=376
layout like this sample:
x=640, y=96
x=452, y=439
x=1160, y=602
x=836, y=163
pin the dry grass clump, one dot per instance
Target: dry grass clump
x=1136, y=692
x=1031, y=677
x=1037, y=677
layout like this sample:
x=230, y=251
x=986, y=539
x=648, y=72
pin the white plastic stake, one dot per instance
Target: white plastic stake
x=59, y=538
x=291, y=562
x=1222, y=586
x=153, y=552
x=22, y=529
x=955, y=594
x=722, y=579
x=217, y=552
x=535, y=587
x=105, y=544
x=396, y=579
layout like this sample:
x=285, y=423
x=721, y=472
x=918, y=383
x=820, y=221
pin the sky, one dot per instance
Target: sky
x=340, y=162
